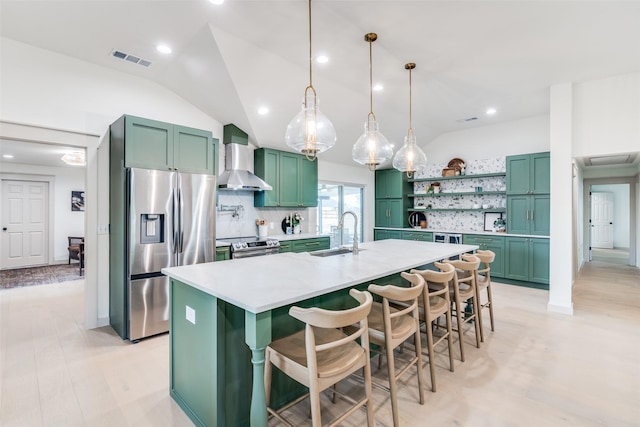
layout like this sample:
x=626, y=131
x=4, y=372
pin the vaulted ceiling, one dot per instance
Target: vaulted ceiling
x=231, y=59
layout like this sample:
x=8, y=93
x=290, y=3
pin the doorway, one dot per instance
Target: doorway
x=610, y=220
x=24, y=218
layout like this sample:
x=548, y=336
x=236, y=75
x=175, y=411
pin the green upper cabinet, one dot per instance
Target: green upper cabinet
x=194, y=151
x=391, y=184
x=294, y=179
x=528, y=174
x=267, y=167
x=391, y=201
x=528, y=214
x=151, y=144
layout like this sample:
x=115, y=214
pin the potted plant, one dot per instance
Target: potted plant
x=500, y=225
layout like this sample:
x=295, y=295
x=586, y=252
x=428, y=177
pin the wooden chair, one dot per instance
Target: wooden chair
x=464, y=289
x=390, y=326
x=74, y=247
x=483, y=282
x=81, y=257
x=434, y=303
x=322, y=354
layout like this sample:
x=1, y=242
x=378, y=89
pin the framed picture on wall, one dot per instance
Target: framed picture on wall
x=77, y=201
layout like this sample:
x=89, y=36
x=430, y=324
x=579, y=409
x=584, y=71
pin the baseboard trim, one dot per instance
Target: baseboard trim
x=561, y=309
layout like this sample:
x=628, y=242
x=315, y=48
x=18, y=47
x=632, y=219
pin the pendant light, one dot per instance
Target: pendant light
x=372, y=148
x=410, y=158
x=310, y=132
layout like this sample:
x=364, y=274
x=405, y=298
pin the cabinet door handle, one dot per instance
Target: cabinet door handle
x=531, y=214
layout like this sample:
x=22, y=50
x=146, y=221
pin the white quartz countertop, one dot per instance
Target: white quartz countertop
x=258, y=284
x=486, y=233
x=281, y=237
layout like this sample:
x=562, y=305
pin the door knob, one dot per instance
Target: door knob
x=4, y=228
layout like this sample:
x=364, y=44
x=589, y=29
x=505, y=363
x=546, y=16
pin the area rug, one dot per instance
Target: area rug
x=21, y=277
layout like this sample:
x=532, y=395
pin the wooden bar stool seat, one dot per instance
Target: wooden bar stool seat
x=390, y=325
x=436, y=293
x=323, y=354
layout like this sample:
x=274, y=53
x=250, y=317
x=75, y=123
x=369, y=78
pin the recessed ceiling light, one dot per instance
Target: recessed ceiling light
x=322, y=59
x=216, y=1
x=491, y=111
x=263, y=110
x=163, y=48
x=378, y=87
x=8, y=156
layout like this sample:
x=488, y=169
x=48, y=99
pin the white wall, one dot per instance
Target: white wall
x=45, y=89
x=529, y=135
x=607, y=116
x=620, y=212
x=65, y=222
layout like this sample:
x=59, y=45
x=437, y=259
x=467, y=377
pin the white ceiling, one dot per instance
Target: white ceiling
x=228, y=60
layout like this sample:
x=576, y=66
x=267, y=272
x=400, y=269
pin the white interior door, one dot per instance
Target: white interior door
x=602, y=220
x=24, y=223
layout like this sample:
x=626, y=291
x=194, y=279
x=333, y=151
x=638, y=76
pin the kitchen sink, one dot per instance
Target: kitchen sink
x=332, y=252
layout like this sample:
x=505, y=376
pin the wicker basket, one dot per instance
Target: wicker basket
x=449, y=172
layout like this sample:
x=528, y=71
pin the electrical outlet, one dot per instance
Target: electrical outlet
x=191, y=314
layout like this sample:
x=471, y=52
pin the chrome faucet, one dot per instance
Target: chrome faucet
x=355, y=231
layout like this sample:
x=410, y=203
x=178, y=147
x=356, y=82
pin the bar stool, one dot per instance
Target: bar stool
x=464, y=289
x=389, y=327
x=483, y=281
x=436, y=302
x=322, y=354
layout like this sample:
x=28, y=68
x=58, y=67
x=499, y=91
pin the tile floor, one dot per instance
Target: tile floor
x=536, y=369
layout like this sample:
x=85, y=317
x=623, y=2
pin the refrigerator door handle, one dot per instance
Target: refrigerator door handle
x=174, y=222
x=180, y=217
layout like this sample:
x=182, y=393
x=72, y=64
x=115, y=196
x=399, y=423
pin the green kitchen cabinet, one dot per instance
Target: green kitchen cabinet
x=391, y=184
x=305, y=245
x=528, y=214
x=527, y=259
x=392, y=203
x=294, y=179
x=420, y=236
x=528, y=174
x=223, y=253
x=387, y=234
x=286, y=246
x=490, y=243
x=390, y=213
x=310, y=245
x=151, y=144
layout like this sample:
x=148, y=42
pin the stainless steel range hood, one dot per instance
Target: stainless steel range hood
x=238, y=160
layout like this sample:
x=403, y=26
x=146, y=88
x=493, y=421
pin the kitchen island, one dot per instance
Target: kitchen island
x=218, y=309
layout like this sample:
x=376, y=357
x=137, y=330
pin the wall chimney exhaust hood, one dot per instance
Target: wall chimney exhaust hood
x=237, y=161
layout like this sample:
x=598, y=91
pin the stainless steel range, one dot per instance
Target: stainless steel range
x=244, y=247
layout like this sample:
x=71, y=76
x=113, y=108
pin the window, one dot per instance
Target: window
x=333, y=201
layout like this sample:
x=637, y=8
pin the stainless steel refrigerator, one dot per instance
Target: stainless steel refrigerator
x=170, y=222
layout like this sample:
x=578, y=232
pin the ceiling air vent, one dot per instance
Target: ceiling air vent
x=130, y=58
x=468, y=119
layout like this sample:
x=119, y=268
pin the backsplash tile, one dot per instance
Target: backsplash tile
x=465, y=220
x=244, y=224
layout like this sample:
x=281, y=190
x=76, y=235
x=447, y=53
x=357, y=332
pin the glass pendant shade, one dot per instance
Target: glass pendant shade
x=372, y=148
x=310, y=132
x=410, y=158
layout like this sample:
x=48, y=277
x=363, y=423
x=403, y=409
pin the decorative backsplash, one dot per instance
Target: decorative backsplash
x=462, y=220
x=241, y=222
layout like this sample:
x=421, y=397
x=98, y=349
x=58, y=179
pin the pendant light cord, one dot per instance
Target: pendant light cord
x=310, y=53
x=410, y=103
